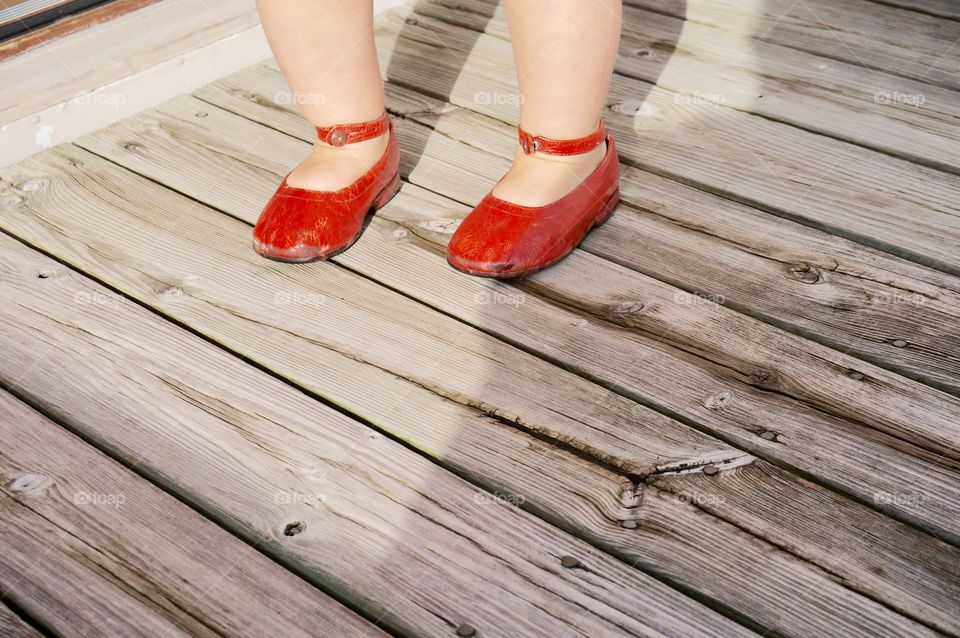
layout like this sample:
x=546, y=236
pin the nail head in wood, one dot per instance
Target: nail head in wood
x=856, y=375
x=767, y=435
x=629, y=524
x=899, y=343
x=710, y=470
x=466, y=630
x=569, y=562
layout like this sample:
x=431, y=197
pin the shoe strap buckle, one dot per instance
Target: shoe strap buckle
x=537, y=144
x=342, y=134
x=529, y=143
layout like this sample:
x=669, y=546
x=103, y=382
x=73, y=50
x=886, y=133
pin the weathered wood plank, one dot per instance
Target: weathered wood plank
x=738, y=496
x=885, y=38
x=175, y=146
x=669, y=534
x=939, y=8
x=705, y=64
x=395, y=534
x=90, y=547
x=846, y=295
x=12, y=626
x=811, y=387
x=885, y=202
x=827, y=288
x=884, y=112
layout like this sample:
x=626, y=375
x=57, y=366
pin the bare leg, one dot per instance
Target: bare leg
x=564, y=51
x=327, y=53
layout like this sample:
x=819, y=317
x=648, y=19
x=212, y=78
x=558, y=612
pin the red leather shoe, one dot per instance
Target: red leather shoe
x=502, y=239
x=299, y=225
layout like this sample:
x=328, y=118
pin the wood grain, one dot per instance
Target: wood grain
x=848, y=296
x=740, y=541
x=881, y=201
x=12, y=626
x=89, y=547
x=175, y=145
x=824, y=287
x=703, y=63
x=940, y=8
x=762, y=410
x=67, y=25
x=105, y=52
x=395, y=534
x=871, y=34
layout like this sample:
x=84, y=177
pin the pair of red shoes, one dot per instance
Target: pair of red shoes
x=497, y=239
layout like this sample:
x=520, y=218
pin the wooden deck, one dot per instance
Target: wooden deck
x=734, y=411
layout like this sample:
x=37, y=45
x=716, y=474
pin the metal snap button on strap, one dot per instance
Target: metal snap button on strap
x=337, y=137
x=530, y=145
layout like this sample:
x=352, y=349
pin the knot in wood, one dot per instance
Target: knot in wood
x=171, y=292
x=631, y=496
x=630, y=107
x=628, y=307
x=28, y=483
x=718, y=400
x=31, y=185
x=763, y=378
x=805, y=273
x=445, y=226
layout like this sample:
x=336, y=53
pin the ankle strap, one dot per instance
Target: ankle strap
x=343, y=134
x=536, y=144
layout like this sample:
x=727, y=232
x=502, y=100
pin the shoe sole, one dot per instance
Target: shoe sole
x=383, y=197
x=606, y=211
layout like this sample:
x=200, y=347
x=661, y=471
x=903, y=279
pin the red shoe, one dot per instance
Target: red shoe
x=300, y=225
x=502, y=239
